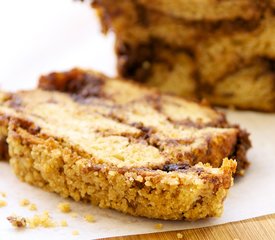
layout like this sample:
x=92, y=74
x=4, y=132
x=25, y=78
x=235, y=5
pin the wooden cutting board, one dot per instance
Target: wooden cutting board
x=262, y=228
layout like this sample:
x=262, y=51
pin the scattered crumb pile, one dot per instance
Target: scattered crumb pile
x=43, y=220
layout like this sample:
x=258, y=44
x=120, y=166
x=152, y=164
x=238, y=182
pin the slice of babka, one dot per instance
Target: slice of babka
x=122, y=146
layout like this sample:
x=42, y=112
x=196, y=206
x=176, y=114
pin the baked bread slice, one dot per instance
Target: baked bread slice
x=122, y=146
x=208, y=10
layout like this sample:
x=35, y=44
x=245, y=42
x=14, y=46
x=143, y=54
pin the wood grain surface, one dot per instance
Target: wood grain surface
x=262, y=228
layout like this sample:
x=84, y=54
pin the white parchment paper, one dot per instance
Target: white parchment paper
x=42, y=36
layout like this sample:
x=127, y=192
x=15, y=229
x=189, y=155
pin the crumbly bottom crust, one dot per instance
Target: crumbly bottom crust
x=57, y=167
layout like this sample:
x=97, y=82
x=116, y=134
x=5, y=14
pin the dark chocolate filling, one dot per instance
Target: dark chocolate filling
x=79, y=83
x=176, y=167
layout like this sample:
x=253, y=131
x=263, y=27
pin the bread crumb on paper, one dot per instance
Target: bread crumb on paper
x=3, y=203
x=64, y=207
x=17, y=221
x=32, y=207
x=63, y=223
x=89, y=218
x=3, y=194
x=24, y=202
x=75, y=232
x=43, y=220
x=179, y=236
x=159, y=226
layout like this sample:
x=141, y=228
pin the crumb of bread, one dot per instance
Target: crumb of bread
x=159, y=226
x=3, y=203
x=43, y=220
x=64, y=207
x=241, y=174
x=74, y=214
x=32, y=207
x=3, y=194
x=63, y=223
x=75, y=232
x=24, y=202
x=179, y=236
x=89, y=218
x=17, y=221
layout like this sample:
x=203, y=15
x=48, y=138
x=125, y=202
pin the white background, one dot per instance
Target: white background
x=38, y=37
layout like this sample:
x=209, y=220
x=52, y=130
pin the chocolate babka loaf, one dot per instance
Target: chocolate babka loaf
x=197, y=45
